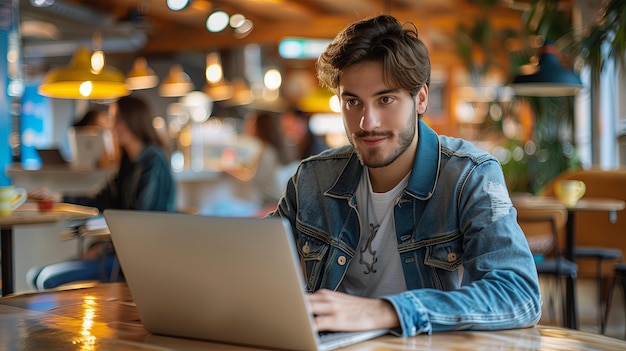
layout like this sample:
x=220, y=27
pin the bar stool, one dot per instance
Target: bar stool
x=600, y=255
x=619, y=273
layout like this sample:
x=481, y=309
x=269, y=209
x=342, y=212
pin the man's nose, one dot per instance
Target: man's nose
x=370, y=119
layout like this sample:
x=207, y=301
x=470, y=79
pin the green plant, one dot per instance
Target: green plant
x=606, y=39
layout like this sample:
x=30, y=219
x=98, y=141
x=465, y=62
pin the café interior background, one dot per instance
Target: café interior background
x=476, y=47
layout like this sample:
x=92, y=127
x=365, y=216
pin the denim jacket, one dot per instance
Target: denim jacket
x=466, y=261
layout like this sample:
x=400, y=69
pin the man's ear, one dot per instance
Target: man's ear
x=421, y=100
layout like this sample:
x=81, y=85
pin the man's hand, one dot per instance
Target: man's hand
x=336, y=311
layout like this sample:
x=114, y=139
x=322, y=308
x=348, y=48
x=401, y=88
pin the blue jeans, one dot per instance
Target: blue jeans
x=56, y=274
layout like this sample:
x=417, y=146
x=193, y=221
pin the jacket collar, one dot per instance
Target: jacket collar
x=423, y=177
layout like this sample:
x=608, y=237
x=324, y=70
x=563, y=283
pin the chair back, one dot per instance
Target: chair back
x=544, y=227
x=594, y=228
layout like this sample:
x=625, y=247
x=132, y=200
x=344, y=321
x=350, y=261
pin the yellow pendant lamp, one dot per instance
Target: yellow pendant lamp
x=78, y=81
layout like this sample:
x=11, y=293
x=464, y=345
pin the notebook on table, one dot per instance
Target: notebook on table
x=221, y=279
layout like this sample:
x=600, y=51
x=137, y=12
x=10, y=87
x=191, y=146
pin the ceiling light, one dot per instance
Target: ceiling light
x=42, y=3
x=77, y=81
x=220, y=91
x=177, y=5
x=39, y=30
x=177, y=83
x=241, y=93
x=244, y=29
x=550, y=78
x=97, y=61
x=237, y=20
x=214, y=72
x=272, y=79
x=198, y=104
x=141, y=76
x=217, y=21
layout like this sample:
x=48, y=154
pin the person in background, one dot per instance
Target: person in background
x=93, y=117
x=404, y=229
x=295, y=126
x=143, y=181
x=261, y=170
x=95, y=120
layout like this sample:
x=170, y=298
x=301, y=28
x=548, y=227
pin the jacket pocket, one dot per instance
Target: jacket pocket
x=444, y=254
x=310, y=248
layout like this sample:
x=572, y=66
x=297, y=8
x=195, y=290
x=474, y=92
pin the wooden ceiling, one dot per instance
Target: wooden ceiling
x=165, y=31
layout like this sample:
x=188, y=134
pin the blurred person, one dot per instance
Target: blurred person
x=95, y=121
x=404, y=229
x=143, y=181
x=295, y=126
x=261, y=169
x=93, y=117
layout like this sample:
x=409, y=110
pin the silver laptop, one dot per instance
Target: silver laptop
x=224, y=279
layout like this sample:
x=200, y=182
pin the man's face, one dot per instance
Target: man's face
x=380, y=121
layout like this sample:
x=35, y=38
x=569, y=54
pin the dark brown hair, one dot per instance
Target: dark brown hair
x=384, y=39
x=138, y=117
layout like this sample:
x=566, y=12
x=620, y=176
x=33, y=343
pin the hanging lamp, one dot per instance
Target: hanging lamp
x=177, y=83
x=141, y=76
x=550, y=77
x=78, y=81
x=218, y=87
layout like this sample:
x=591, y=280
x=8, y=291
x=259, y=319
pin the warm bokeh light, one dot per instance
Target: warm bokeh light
x=244, y=29
x=272, y=79
x=97, y=61
x=335, y=104
x=214, y=72
x=158, y=123
x=85, y=88
x=237, y=20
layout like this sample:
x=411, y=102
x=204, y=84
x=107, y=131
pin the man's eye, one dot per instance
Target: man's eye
x=352, y=102
x=386, y=99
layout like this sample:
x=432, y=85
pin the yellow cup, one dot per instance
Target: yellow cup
x=569, y=191
x=11, y=198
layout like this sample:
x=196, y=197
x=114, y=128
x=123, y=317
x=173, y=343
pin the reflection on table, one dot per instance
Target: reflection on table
x=103, y=317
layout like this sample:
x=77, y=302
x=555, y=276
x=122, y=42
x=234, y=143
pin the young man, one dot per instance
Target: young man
x=404, y=229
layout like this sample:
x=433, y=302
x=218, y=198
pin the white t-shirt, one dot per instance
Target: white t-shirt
x=376, y=269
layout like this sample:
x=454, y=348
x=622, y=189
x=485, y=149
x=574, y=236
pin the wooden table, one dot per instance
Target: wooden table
x=103, y=317
x=29, y=214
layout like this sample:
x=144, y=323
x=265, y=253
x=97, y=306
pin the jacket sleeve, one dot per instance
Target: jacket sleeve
x=500, y=288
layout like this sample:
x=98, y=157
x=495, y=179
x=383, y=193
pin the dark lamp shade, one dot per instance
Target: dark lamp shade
x=70, y=82
x=551, y=79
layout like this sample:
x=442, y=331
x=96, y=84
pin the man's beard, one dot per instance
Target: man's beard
x=372, y=157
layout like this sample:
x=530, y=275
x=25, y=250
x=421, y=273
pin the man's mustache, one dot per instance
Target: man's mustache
x=365, y=134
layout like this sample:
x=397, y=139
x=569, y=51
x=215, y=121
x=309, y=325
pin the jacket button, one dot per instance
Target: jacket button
x=341, y=260
x=306, y=249
x=451, y=257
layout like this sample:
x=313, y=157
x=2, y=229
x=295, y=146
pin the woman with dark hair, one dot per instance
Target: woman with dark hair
x=93, y=117
x=143, y=182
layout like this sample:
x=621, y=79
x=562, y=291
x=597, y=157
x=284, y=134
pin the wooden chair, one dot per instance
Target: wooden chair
x=544, y=228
